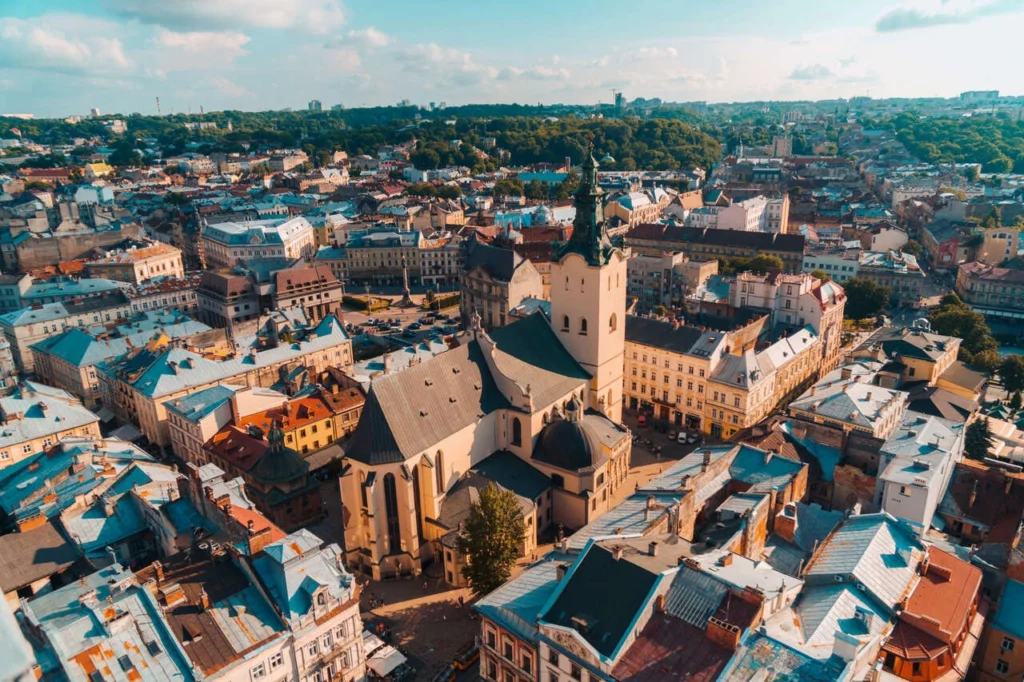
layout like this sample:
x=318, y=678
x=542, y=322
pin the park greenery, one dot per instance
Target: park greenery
x=995, y=142
x=466, y=136
x=491, y=539
x=952, y=317
x=864, y=298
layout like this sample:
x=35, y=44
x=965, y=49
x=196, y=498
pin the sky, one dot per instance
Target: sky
x=62, y=57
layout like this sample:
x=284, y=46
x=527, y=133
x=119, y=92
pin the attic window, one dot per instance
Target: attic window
x=455, y=370
x=428, y=382
x=423, y=413
x=452, y=399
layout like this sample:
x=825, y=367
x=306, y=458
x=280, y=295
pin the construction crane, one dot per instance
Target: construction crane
x=158, y=107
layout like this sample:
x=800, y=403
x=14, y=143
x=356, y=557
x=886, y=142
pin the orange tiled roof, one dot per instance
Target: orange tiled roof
x=291, y=415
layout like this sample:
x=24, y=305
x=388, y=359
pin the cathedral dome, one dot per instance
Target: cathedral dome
x=569, y=443
x=278, y=464
x=543, y=216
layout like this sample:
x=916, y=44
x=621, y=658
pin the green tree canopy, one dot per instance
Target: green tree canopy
x=864, y=298
x=913, y=247
x=987, y=360
x=492, y=538
x=978, y=439
x=952, y=318
x=822, y=275
x=1012, y=373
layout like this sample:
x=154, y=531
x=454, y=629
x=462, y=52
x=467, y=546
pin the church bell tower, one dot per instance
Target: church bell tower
x=588, y=295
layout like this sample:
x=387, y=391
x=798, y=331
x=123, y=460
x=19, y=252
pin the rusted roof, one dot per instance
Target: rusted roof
x=671, y=649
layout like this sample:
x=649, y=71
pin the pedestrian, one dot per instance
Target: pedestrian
x=462, y=601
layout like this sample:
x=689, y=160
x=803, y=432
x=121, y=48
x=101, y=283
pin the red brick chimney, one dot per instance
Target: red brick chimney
x=785, y=522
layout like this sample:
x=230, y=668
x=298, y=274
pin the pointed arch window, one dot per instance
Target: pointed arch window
x=612, y=323
x=439, y=472
x=391, y=511
x=583, y=326
x=517, y=431
x=565, y=323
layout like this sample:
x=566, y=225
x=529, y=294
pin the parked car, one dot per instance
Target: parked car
x=642, y=420
x=672, y=435
x=415, y=325
x=466, y=656
x=409, y=334
x=682, y=437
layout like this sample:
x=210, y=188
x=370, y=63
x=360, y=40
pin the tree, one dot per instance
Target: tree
x=978, y=439
x=822, y=275
x=864, y=298
x=762, y=263
x=508, y=187
x=492, y=536
x=953, y=318
x=536, y=190
x=661, y=311
x=913, y=247
x=1015, y=401
x=987, y=360
x=1012, y=373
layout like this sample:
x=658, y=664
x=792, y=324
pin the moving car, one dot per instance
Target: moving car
x=466, y=656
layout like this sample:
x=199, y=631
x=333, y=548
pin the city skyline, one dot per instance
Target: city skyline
x=120, y=55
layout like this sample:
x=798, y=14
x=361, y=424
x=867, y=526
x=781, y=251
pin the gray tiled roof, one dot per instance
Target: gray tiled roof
x=661, y=334
x=694, y=596
x=408, y=412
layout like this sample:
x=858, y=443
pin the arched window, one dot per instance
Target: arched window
x=565, y=323
x=612, y=323
x=439, y=471
x=391, y=510
x=416, y=500
x=567, y=284
x=583, y=326
x=321, y=599
x=583, y=282
x=517, y=431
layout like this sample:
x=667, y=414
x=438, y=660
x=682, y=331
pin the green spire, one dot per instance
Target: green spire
x=589, y=234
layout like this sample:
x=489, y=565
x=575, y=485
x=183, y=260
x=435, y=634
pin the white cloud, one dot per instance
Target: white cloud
x=313, y=16
x=450, y=66
x=534, y=73
x=810, y=73
x=654, y=53
x=930, y=13
x=224, y=43
x=223, y=86
x=370, y=37
x=342, y=59
x=44, y=43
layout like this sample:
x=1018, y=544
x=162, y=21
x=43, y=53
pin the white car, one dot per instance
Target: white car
x=681, y=438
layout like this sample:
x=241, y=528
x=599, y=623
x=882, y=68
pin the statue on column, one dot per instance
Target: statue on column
x=406, y=294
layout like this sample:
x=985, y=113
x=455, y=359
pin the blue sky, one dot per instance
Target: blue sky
x=59, y=57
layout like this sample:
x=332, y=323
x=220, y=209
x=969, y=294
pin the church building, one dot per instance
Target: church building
x=535, y=396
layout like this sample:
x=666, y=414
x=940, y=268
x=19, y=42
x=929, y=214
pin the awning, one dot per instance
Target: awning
x=105, y=414
x=385, y=661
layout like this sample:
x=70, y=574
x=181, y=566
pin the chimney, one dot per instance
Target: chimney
x=617, y=553
x=726, y=560
x=561, y=570
x=652, y=549
x=204, y=600
x=785, y=522
x=974, y=496
x=159, y=568
x=707, y=461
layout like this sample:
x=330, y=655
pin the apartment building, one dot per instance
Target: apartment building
x=992, y=291
x=68, y=359
x=226, y=299
x=707, y=381
x=37, y=417
x=665, y=280
x=177, y=294
x=138, y=263
x=379, y=256
x=707, y=244
x=494, y=281
x=138, y=386
x=441, y=260
x=896, y=270
x=229, y=244
x=314, y=289
x=795, y=301
x=24, y=328
x=287, y=160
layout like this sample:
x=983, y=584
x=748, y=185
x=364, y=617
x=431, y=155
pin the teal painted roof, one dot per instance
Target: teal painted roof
x=1010, y=615
x=195, y=406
